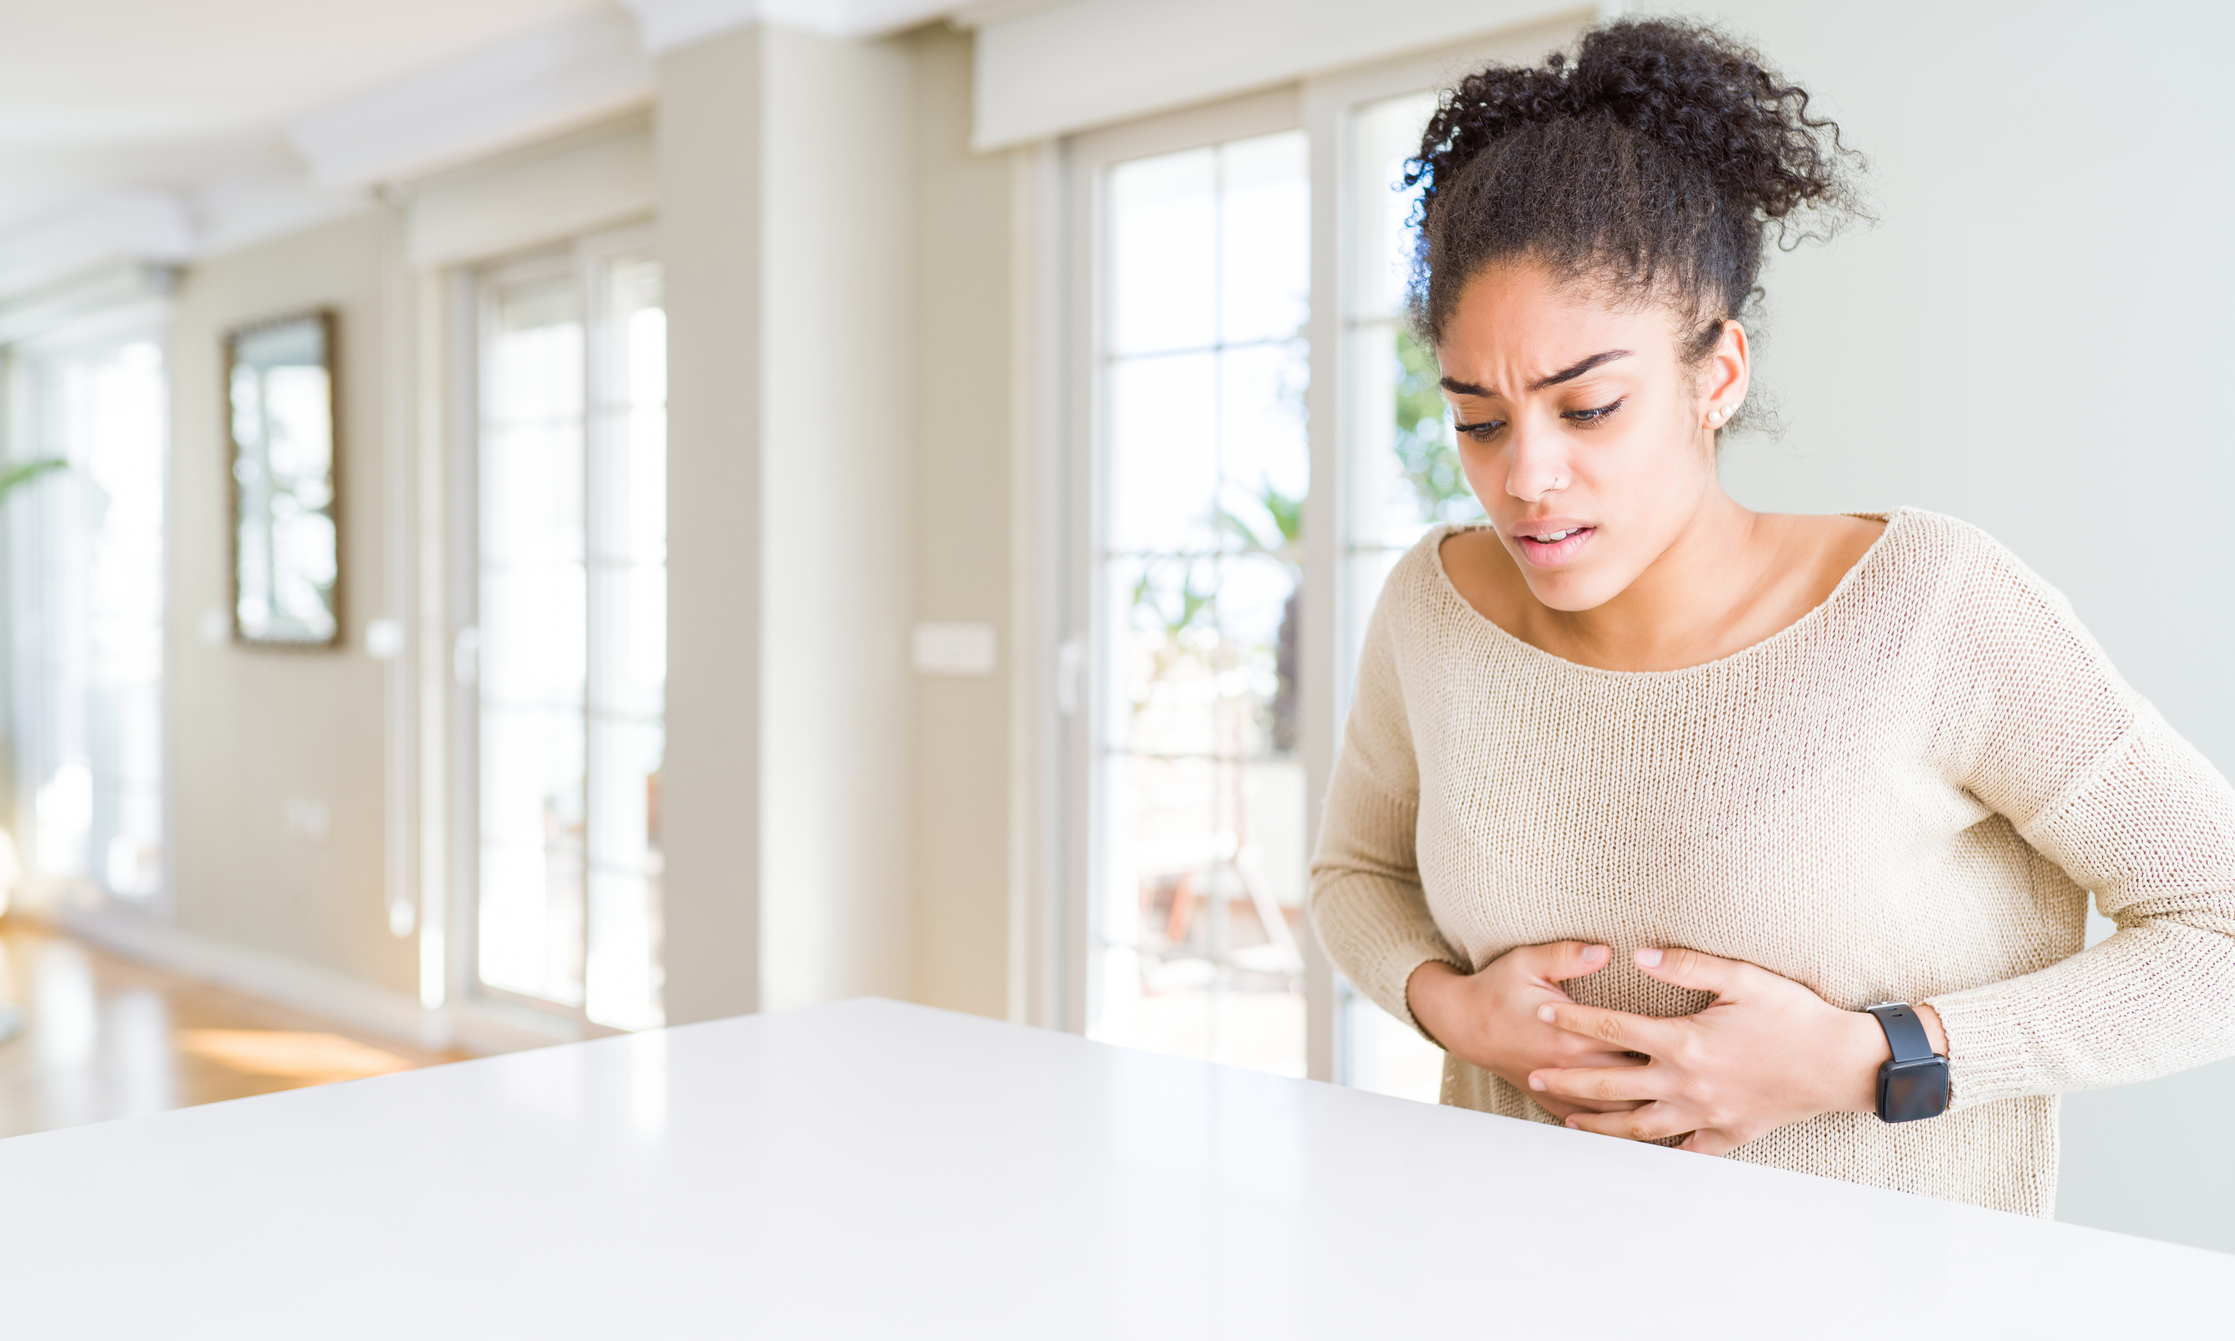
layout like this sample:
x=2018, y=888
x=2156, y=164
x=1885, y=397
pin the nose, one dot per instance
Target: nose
x=1536, y=465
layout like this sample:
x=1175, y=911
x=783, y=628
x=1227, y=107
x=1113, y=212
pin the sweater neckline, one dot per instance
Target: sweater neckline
x=1814, y=615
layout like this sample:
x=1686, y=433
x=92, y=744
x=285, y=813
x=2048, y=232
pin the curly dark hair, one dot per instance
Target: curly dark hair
x=1656, y=163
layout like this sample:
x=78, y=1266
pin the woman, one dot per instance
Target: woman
x=1646, y=797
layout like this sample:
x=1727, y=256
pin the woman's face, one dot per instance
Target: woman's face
x=1585, y=435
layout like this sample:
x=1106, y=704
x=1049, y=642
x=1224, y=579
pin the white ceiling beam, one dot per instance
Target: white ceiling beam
x=243, y=209
x=104, y=230
x=668, y=24
x=878, y=18
x=1095, y=62
x=561, y=75
x=982, y=13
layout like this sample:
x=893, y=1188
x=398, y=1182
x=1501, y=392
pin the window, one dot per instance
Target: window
x=571, y=634
x=1200, y=466
x=1402, y=472
x=86, y=570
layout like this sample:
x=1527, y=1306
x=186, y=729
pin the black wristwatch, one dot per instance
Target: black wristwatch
x=1915, y=1083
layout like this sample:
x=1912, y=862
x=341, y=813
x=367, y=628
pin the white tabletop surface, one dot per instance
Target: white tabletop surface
x=878, y=1170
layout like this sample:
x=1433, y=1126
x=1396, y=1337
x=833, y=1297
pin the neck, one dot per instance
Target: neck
x=1681, y=609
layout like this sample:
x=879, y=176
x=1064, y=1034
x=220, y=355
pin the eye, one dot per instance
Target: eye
x=1480, y=432
x=1589, y=417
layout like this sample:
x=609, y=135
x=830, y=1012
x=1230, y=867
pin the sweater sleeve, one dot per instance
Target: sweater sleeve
x=1367, y=904
x=2097, y=782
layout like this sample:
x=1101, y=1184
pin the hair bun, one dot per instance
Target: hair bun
x=1716, y=104
x=1660, y=156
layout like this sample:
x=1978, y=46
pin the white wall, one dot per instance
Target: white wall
x=840, y=416
x=961, y=546
x=786, y=208
x=2033, y=338
x=710, y=237
x=254, y=731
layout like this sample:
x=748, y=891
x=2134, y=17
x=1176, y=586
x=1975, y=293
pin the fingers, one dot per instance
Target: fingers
x=1561, y=1108
x=1557, y=961
x=1653, y=1122
x=1599, y=1086
x=1630, y=1033
x=1690, y=968
x=1711, y=1141
x=1571, y=1052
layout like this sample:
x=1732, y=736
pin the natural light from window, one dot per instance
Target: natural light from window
x=86, y=564
x=1204, y=468
x=573, y=636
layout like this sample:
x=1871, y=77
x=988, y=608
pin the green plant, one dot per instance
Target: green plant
x=1425, y=451
x=16, y=476
x=1147, y=597
x=1285, y=512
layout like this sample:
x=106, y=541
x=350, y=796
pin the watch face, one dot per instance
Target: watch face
x=1908, y=1091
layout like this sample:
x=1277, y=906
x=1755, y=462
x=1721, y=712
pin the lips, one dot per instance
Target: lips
x=1551, y=544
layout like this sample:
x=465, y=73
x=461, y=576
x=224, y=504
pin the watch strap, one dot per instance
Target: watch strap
x=1904, y=1031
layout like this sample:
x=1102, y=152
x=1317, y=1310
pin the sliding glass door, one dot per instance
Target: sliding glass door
x=571, y=638
x=86, y=577
x=1200, y=469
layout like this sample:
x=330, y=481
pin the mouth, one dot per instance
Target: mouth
x=1551, y=544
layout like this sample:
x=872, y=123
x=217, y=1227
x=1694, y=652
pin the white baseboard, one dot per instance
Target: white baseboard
x=476, y=1027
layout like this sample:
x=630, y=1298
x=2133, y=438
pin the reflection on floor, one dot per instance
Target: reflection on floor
x=107, y=1038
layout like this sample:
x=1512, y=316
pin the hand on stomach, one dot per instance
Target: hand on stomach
x=1491, y=1019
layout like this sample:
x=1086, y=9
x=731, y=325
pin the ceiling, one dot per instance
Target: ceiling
x=101, y=94
x=212, y=121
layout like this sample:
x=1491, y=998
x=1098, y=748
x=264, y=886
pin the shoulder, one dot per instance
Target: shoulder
x=1417, y=613
x=2028, y=702
x=1418, y=587
x=1968, y=571
x=1993, y=621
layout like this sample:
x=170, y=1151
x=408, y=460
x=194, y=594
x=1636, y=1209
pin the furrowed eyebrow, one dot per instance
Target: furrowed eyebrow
x=1567, y=374
x=1575, y=370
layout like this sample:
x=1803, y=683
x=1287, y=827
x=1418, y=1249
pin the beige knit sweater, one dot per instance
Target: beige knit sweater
x=1901, y=797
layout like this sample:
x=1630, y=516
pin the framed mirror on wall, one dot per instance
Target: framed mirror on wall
x=281, y=395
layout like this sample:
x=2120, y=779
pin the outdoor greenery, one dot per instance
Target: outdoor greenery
x=1184, y=612
x=1286, y=540
x=16, y=476
x=1425, y=451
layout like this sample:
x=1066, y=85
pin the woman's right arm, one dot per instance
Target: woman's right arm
x=1366, y=900
x=1372, y=915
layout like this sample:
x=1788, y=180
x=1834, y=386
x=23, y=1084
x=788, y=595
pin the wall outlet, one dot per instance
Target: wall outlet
x=953, y=649
x=308, y=822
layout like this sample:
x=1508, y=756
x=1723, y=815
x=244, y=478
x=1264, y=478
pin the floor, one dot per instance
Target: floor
x=107, y=1038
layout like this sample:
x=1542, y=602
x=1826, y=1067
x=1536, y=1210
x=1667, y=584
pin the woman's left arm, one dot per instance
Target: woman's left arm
x=2150, y=829
x=2043, y=730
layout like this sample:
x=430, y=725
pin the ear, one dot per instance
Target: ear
x=1724, y=377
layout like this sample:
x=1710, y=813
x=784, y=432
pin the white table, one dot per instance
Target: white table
x=878, y=1170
